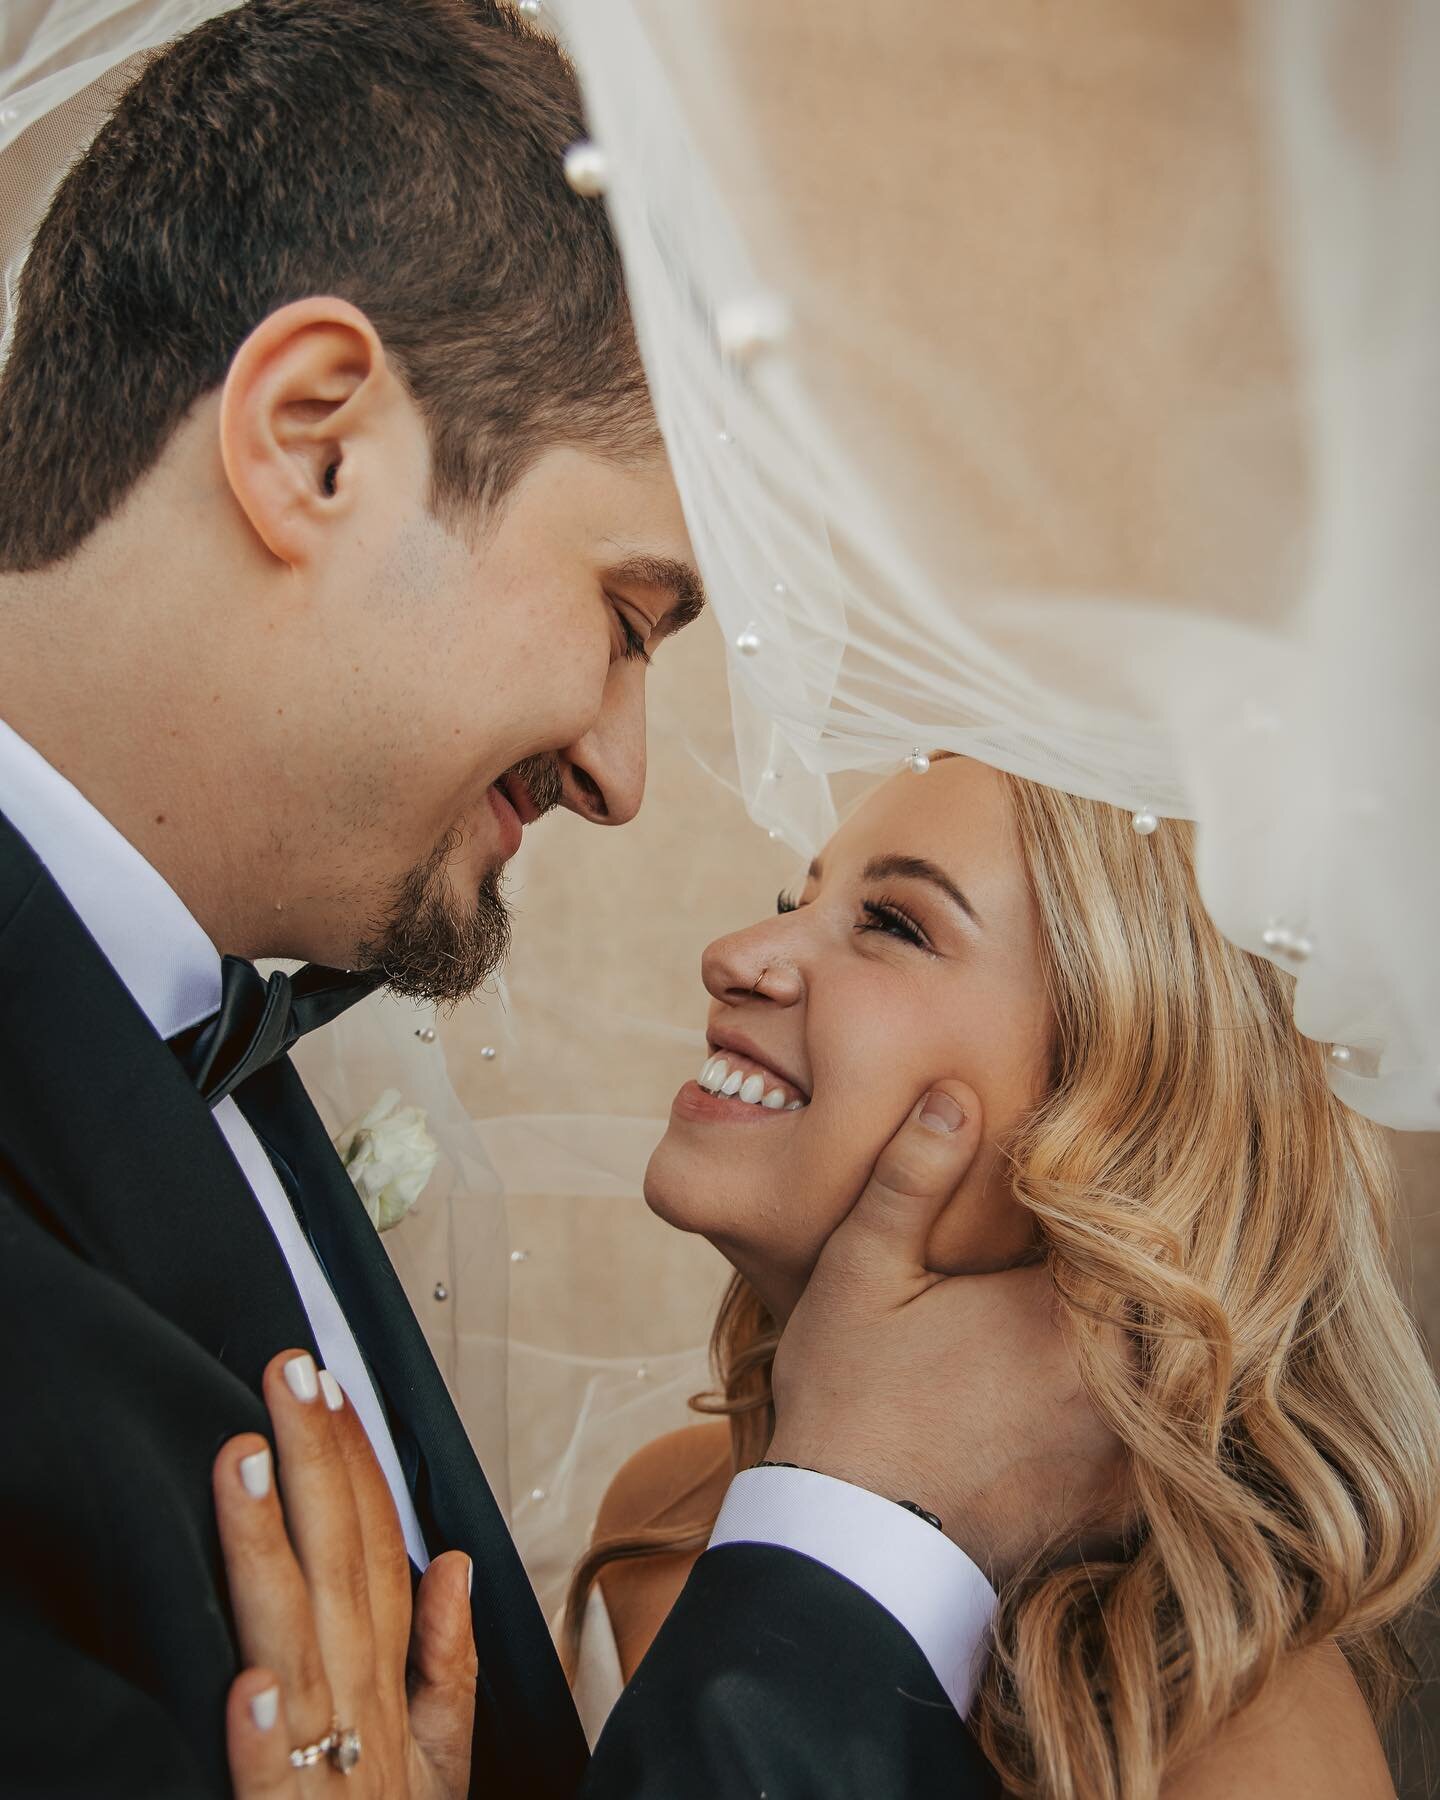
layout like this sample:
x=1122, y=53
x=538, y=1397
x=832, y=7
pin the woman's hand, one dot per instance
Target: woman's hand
x=955, y=1391
x=321, y=1595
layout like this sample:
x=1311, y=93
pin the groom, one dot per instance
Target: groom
x=335, y=539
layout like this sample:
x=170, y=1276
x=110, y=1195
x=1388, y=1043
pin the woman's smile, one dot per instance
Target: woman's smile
x=736, y=1089
x=746, y=1105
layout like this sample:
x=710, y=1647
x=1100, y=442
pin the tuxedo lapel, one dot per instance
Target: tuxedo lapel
x=117, y=1154
x=533, y=1726
x=115, y=1148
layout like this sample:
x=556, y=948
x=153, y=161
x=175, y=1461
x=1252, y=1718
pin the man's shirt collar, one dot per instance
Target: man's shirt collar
x=150, y=937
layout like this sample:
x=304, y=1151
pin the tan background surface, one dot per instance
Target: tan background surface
x=604, y=1019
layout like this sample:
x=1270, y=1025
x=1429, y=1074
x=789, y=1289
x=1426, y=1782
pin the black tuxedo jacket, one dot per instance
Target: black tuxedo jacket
x=142, y=1294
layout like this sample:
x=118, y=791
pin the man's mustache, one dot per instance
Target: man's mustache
x=542, y=778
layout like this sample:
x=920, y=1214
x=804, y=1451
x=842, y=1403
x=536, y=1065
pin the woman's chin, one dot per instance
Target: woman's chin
x=694, y=1193
x=695, y=1178
x=689, y=1188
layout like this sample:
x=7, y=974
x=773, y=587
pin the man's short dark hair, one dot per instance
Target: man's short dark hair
x=405, y=155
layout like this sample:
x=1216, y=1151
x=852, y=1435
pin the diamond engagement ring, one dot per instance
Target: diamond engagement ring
x=340, y=1747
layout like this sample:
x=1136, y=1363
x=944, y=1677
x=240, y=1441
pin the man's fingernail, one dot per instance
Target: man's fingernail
x=331, y=1389
x=469, y=1576
x=265, y=1708
x=255, y=1474
x=300, y=1377
x=941, y=1113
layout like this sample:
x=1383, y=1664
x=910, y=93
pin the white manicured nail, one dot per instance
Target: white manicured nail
x=265, y=1708
x=300, y=1377
x=330, y=1388
x=255, y=1474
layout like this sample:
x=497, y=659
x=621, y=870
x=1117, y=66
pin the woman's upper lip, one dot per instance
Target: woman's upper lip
x=723, y=1038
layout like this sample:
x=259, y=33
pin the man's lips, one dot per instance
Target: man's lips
x=512, y=827
x=515, y=790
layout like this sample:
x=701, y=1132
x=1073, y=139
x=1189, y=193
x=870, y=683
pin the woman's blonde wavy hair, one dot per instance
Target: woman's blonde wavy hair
x=1195, y=1183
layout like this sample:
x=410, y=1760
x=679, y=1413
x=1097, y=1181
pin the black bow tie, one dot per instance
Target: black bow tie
x=259, y=1020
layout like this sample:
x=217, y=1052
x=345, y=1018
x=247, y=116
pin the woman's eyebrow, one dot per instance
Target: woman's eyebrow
x=917, y=868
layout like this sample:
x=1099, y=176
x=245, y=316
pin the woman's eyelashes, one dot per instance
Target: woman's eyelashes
x=883, y=916
x=886, y=916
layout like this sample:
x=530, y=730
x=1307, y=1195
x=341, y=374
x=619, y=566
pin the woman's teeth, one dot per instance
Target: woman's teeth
x=720, y=1077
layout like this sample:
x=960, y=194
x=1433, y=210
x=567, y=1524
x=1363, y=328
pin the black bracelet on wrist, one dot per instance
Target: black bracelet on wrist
x=911, y=1506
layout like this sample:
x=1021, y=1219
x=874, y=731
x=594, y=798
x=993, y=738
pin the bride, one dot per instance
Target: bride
x=1214, y=1223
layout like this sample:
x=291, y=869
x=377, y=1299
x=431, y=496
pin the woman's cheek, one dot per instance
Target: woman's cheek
x=839, y=1156
x=983, y=1228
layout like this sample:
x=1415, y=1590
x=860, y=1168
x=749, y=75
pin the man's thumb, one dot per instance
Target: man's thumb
x=917, y=1173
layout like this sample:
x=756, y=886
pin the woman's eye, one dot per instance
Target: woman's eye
x=885, y=917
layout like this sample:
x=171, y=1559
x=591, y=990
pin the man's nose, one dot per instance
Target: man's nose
x=605, y=769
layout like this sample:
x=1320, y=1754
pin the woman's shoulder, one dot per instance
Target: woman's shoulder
x=673, y=1486
x=675, y=1479
x=1309, y=1736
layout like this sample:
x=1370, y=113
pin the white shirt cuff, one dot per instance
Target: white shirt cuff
x=929, y=1585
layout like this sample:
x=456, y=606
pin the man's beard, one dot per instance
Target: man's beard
x=431, y=945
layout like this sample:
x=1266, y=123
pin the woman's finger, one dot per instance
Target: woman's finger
x=324, y=1528
x=387, y=1561
x=443, y=1669
x=274, y=1621
x=257, y=1738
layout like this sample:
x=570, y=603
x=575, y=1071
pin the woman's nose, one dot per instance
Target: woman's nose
x=751, y=964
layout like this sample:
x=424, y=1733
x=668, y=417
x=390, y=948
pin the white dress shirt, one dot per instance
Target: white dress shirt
x=155, y=945
x=158, y=949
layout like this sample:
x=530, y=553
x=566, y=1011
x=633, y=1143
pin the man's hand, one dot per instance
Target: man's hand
x=956, y=1391
x=321, y=1593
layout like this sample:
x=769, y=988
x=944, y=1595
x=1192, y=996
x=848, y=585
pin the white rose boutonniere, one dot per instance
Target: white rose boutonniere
x=389, y=1155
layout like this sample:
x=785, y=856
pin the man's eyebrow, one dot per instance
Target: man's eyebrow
x=918, y=868
x=672, y=576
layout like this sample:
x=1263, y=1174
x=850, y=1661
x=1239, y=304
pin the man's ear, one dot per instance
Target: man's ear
x=305, y=392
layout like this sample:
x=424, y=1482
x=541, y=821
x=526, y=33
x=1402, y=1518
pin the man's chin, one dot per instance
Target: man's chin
x=433, y=949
